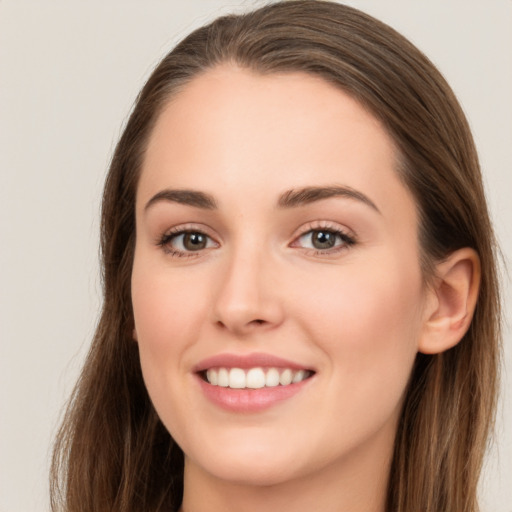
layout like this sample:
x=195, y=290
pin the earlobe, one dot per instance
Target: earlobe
x=452, y=301
x=134, y=335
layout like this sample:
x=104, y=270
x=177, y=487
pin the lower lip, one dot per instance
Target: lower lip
x=250, y=400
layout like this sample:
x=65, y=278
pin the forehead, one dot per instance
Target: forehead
x=231, y=129
x=228, y=105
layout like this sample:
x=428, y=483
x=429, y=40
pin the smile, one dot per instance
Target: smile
x=254, y=378
x=250, y=383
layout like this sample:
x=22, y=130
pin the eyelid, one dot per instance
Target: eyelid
x=317, y=225
x=346, y=234
x=191, y=226
x=163, y=240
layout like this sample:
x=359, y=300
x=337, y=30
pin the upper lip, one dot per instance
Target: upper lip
x=246, y=361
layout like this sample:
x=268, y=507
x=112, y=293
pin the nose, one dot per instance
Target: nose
x=248, y=299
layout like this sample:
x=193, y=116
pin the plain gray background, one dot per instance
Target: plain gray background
x=69, y=72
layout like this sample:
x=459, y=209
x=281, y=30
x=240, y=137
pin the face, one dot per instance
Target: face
x=276, y=285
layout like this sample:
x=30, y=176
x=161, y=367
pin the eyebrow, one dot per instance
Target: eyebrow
x=188, y=197
x=290, y=199
x=307, y=195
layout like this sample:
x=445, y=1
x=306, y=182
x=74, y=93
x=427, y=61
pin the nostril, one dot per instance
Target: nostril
x=249, y=325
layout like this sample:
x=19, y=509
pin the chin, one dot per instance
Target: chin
x=251, y=473
x=251, y=465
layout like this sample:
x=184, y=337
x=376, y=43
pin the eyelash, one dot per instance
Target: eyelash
x=348, y=240
x=165, y=241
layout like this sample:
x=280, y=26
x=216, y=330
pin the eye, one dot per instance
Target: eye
x=319, y=239
x=324, y=240
x=181, y=243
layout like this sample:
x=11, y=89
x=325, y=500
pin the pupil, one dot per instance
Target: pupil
x=323, y=239
x=194, y=241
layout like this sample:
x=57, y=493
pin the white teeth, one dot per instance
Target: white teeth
x=285, y=378
x=254, y=378
x=223, y=378
x=237, y=378
x=212, y=377
x=272, y=378
x=299, y=376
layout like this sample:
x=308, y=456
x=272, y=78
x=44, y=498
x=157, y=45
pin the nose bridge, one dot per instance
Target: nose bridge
x=246, y=292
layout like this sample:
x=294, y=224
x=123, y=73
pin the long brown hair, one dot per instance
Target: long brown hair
x=113, y=453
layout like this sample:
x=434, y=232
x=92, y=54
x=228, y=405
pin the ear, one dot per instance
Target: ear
x=134, y=335
x=451, y=302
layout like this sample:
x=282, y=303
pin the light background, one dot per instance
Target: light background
x=69, y=72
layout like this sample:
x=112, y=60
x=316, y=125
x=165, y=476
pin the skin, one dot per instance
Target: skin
x=356, y=314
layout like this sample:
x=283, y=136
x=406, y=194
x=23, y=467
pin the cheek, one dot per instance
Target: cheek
x=166, y=308
x=368, y=326
x=370, y=302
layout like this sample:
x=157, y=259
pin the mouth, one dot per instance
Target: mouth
x=251, y=382
x=254, y=378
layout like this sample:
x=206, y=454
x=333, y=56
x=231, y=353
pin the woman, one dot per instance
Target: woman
x=301, y=304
